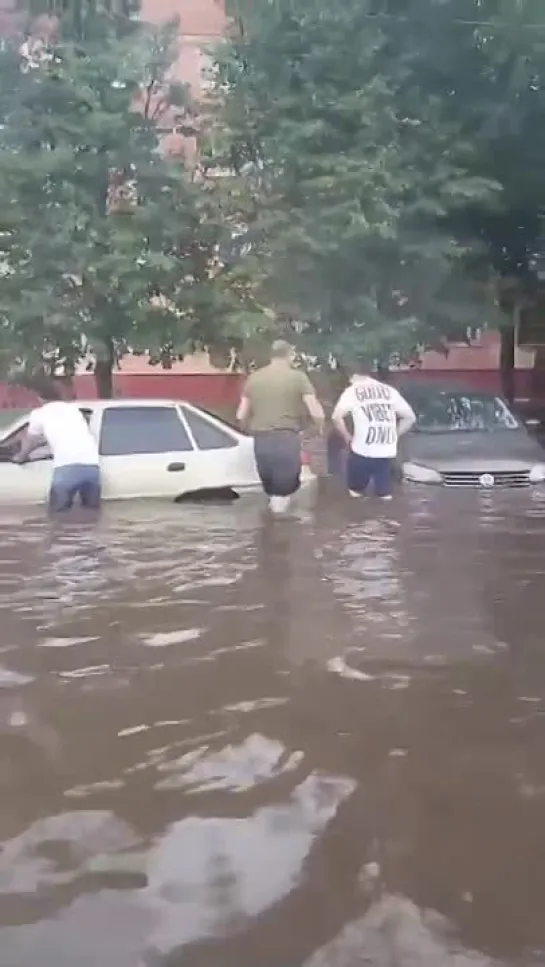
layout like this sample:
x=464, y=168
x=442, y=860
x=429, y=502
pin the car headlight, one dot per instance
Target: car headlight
x=537, y=473
x=419, y=474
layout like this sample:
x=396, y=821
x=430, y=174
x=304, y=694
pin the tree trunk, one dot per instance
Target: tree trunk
x=104, y=366
x=507, y=362
x=66, y=384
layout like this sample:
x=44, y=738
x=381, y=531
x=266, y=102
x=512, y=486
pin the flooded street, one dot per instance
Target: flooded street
x=231, y=742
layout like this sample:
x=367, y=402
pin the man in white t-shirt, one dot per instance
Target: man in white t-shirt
x=76, y=470
x=379, y=416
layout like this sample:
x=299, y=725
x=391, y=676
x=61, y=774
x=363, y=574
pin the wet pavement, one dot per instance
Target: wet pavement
x=231, y=742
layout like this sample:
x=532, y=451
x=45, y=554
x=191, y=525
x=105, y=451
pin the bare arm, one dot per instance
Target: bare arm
x=343, y=408
x=405, y=414
x=315, y=410
x=243, y=411
x=32, y=439
x=312, y=404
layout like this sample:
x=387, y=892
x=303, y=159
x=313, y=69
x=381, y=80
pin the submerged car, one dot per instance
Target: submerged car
x=148, y=448
x=467, y=438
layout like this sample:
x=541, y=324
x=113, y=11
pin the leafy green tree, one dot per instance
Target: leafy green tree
x=106, y=244
x=485, y=60
x=354, y=178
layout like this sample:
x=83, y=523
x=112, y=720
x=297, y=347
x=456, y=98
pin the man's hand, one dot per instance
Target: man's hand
x=315, y=410
x=345, y=436
x=319, y=425
x=243, y=412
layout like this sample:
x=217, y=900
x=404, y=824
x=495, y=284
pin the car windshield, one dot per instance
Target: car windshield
x=449, y=411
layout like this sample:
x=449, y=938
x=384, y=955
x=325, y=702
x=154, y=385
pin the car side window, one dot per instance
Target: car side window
x=12, y=444
x=207, y=435
x=142, y=429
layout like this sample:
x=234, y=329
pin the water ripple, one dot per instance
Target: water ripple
x=243, y=714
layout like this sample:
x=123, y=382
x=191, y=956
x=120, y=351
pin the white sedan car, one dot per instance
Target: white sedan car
x=148, y=448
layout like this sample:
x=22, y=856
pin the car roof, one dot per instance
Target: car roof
x=139, y=401
x=98, y=405
x=18, y=416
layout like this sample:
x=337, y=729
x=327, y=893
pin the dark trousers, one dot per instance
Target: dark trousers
x=75, y=480
x=337, y=454
x=278, y=461
x=363, y=471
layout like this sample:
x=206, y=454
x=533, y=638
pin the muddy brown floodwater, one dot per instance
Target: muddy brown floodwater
x=230, y=742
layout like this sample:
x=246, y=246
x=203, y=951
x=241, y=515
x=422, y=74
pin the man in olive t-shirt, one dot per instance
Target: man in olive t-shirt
x=274, y=404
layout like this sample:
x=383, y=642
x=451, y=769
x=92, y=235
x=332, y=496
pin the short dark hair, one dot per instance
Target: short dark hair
x=280, y=349
x=48, y=389
x=41, y=383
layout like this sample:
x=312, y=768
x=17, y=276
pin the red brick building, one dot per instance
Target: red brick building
x=202, y=24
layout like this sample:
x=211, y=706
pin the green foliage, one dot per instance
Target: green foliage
x=485, y=59
x=375, y=151
x=105, y=243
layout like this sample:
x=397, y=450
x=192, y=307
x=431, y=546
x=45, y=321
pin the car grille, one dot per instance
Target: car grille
x=460, y=478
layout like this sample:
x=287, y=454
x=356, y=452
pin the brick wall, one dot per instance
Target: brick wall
x=202, y=22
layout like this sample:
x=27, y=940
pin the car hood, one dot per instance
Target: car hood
x=472, y=450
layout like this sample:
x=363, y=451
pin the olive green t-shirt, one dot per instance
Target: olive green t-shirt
x=276, y=398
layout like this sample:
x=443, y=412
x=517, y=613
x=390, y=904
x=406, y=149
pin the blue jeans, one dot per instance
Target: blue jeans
x=361, y=471
x=75, y=479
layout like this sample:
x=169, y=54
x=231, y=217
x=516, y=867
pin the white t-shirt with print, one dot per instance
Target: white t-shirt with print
x=375, y=409
x=65, y=429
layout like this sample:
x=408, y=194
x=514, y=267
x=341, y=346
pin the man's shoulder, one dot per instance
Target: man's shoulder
x=54, y=408
x=51, y=405
x=39, y=412
x=255, y=378
x=288, y=375
x=269, y=372
x=303, y=378
x=34, y=417
x=374, y=387
x=347, y=400
x=349, y=392
x=297, y=378
x=259, y=373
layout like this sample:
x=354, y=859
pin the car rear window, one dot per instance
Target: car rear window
x=226, y=421
x=207, y=435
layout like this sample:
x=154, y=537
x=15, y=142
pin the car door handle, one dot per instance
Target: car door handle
x=175, y=467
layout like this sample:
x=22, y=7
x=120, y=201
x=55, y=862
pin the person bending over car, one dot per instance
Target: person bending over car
x=76, y=470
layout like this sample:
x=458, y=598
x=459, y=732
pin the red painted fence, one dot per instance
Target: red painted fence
x=17, y=397
x=221, y=391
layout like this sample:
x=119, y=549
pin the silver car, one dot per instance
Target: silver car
x=467, y=438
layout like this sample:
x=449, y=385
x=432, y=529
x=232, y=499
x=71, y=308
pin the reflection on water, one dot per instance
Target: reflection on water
x=230, y=741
